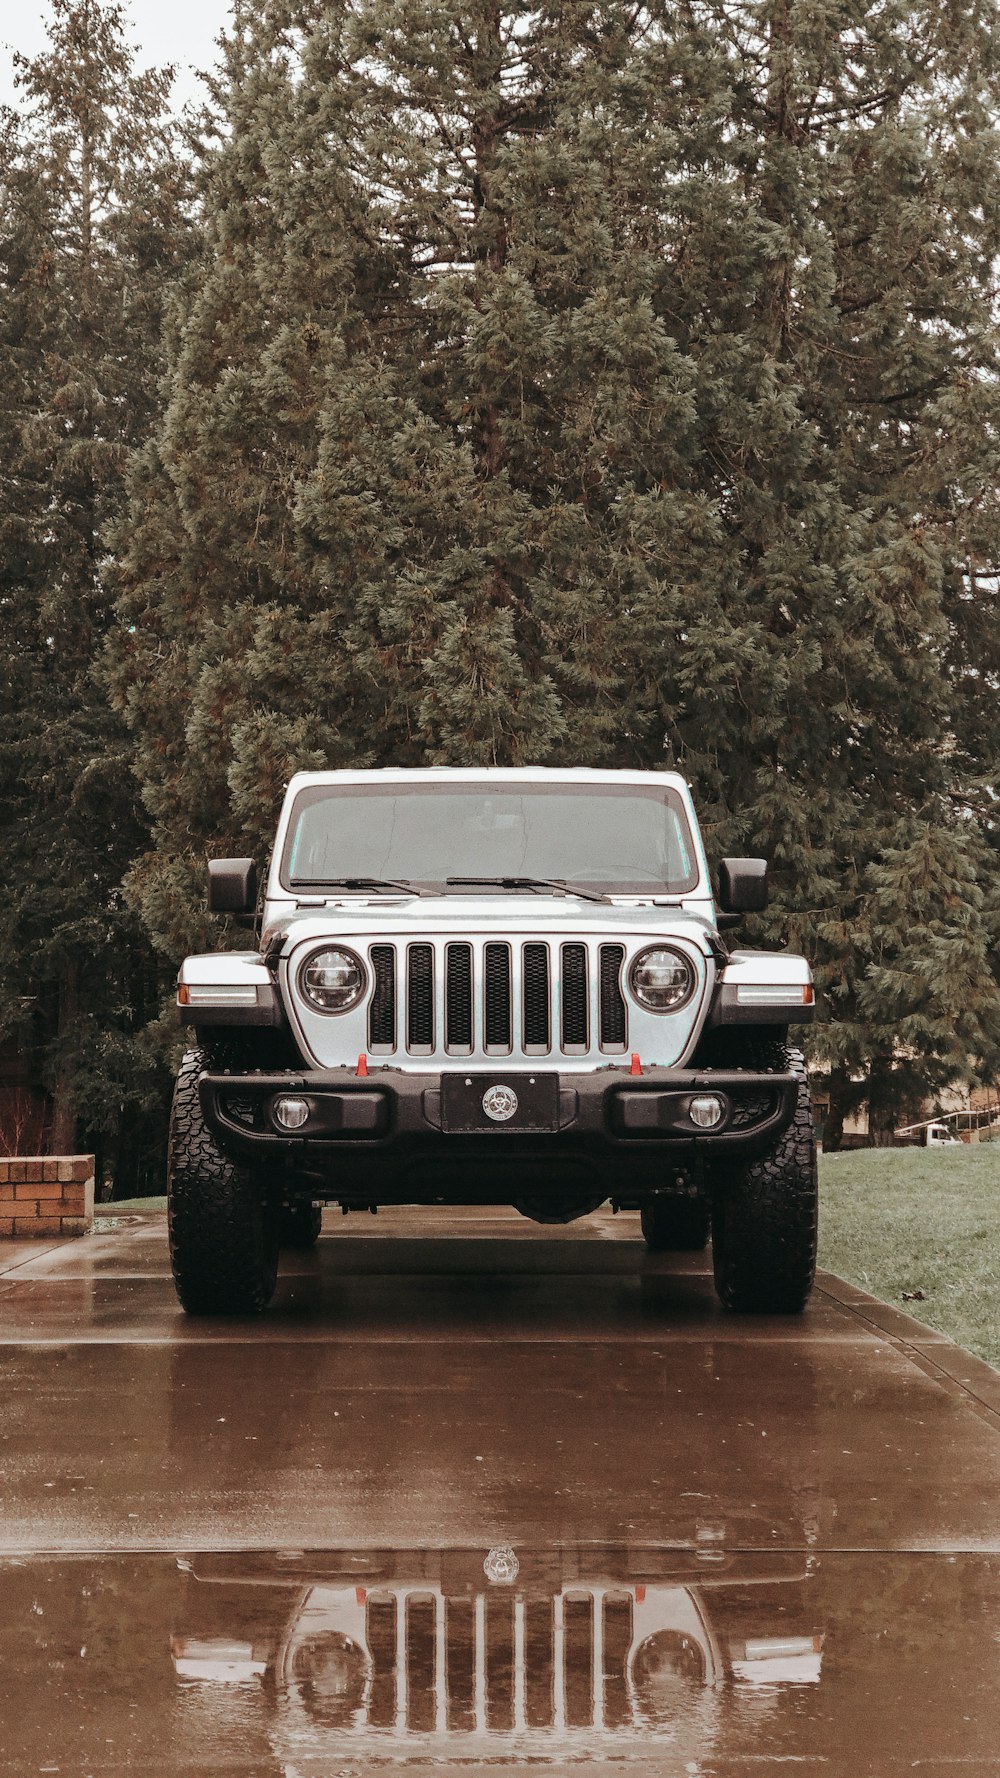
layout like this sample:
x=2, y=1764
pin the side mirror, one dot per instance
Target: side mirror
x=743, y=885
x=232, y=886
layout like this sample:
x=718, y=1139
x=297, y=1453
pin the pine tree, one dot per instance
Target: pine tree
x=595, y=385
x=405, y=545
x=859, y=485
x=90, y=196
x=210, y=566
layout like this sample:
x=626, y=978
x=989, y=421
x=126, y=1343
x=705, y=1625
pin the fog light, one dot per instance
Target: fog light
x=291, y=1114
x=707, y=1111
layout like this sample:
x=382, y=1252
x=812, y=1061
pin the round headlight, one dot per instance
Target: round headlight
x=332, y=981
x=662, y=980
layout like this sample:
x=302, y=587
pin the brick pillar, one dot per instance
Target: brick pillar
x=44, y=1195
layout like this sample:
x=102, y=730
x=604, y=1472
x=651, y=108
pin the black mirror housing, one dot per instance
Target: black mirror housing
x=232, y=886
x=743, y=885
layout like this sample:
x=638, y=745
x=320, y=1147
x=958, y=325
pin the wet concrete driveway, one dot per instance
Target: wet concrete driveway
x=477, y=1495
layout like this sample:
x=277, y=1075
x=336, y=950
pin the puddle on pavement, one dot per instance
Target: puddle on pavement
x=267, y=1443
x=306, y=1665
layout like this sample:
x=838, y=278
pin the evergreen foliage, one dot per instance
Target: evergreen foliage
x=90, y=211
x=603, y=385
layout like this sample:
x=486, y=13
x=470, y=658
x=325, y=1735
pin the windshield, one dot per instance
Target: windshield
x=606, y=836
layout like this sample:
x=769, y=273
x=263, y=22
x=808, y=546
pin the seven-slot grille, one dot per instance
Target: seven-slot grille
x=501, y=998
x=499, y=1661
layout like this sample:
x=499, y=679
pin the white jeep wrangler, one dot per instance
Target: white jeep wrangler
x=492, y=987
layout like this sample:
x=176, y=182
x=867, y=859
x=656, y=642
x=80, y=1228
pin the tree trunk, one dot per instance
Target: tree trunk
x=883, y=1103
x=833, y=1128
x=780, y=124
x=62, y=1132
x=491, y=224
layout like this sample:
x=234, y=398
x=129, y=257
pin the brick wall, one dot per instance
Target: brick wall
x=46, y=1195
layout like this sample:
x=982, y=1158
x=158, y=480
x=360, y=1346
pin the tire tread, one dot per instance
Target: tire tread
x=765, y=1220
x=223, y=1234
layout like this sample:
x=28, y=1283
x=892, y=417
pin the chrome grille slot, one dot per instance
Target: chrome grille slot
x=539, y=1662
x=380, y=1634
x=579, y=1659
x=536, y=990
x=420, y=999
x=573, y=1010
x=615, y=1644
x=460, y=1663
x=496, y=1000
x=612, y=1001
x=458, y=999
x=382, y=1010
x=421, y=1625
x=499, y=1661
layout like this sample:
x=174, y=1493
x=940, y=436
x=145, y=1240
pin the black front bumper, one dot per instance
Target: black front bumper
x=394, y=1118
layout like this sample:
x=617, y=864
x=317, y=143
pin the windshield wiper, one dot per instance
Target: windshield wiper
x=528, y=883
x=355, y=883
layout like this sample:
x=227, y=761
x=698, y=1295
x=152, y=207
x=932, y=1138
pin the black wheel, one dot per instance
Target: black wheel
x=764, y=1215
x=299, y=1225
x=678, y=1225
x=223, y=1231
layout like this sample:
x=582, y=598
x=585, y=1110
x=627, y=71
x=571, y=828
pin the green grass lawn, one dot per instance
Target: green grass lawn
x=906, y=1219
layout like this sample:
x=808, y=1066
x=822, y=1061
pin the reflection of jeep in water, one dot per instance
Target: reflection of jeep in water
x=552, y=1653
x=492, y=987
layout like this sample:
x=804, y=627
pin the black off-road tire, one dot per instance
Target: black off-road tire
x=223, y=1230
x=765, y=1215
x=676, y=1224
x=299, y=1225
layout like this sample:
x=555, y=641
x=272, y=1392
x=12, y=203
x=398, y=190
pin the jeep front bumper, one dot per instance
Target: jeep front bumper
x=404, y=1117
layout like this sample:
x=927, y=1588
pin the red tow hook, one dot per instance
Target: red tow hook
x=635, y=1066
x=362, y=1066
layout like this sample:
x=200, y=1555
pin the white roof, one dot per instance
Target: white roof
x=496, y=774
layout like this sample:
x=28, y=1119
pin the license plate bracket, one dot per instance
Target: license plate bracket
x=479, y=1104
